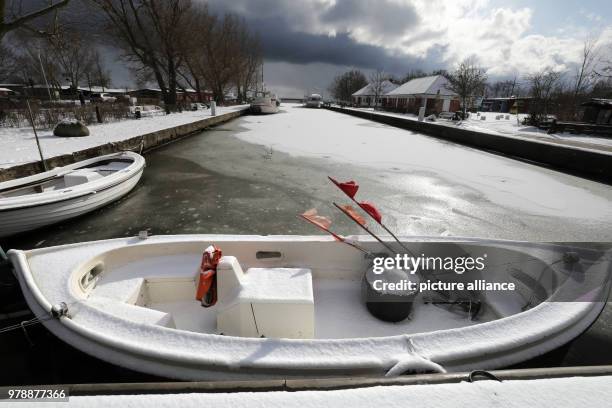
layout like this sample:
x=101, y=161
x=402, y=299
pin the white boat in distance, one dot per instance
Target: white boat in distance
x=66, y=192
x=314, y=101
x=290, y=307
x=265, y=104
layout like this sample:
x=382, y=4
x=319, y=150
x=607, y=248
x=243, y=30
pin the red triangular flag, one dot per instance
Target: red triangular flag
x=370, y=209
x=351, y=212
x=348, y=187
x=320, y=221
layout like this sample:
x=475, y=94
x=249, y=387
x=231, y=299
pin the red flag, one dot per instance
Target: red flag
x=320, y=221
x=348, y=187
x=351, y=212
x=370, y=209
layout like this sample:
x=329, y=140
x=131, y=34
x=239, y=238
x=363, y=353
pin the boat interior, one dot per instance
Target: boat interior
x=68, y=178
x=300, y=289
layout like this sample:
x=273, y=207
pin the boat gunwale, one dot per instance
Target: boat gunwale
x=50, y=197
x=403, y=341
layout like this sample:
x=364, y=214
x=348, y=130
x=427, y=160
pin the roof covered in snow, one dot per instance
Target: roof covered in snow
x=430, y=85
x=598, y=102
x=368, y=90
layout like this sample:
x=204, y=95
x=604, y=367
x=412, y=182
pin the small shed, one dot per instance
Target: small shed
x=598, y=111
x=510, y=104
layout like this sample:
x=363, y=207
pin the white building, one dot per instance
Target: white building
x=430, y=92
x=366, y=95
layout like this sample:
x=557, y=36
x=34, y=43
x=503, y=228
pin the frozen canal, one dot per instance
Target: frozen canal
x=255, y=174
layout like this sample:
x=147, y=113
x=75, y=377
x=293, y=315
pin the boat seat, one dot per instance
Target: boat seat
x=126, y=291
x=131, y=312
x=81, y=176
x=264, y=302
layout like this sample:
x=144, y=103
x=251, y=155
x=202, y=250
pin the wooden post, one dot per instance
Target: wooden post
x=98, y=115
x=42, y=159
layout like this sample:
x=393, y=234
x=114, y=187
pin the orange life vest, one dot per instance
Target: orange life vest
x=207, y=276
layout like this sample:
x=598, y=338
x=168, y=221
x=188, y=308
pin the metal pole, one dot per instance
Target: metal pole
x=42, y=159
x=42, y=68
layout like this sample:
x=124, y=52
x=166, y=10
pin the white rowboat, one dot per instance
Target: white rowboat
x=67, y=192
x=130, y=302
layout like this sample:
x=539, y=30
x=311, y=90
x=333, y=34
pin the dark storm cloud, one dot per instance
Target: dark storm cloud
x=384, y=18
x=283, y=44
x=277, y=23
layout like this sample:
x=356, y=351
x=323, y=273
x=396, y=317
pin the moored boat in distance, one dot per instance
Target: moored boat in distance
x=66, y=192
x=268, y=103
x=293, y=306
x=314, y=101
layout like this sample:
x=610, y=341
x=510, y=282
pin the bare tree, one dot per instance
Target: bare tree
x=97, y=74
x=150, y=32
x=192, y=71
x=377, y=85
x=220, y=53
x=584, y=76
x=543, y=85
x=346, y=84
x=413, y=74
x=11, y=19
x=9, y=65
x=249, y=64
x=503, y=89
x=72, y=53
x=221, y=57
x=467, y=81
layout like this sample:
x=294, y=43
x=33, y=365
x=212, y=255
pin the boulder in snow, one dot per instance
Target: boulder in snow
x=70, y=128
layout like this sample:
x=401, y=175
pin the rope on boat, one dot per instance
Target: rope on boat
x=58, y=311
x=482, y=373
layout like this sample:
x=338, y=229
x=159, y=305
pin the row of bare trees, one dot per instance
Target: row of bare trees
x=180, y=43
x=174, y=44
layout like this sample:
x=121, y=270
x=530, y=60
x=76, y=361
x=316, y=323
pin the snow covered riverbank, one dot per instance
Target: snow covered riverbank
x=18, y=145
x=510, y=125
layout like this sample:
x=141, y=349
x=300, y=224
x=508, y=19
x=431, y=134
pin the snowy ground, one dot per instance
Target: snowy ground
x=18, y=145
x=555, y=392
x=508, y=125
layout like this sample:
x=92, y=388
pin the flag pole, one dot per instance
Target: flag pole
x=366, y=229
x=371, y=216
x=339, y=238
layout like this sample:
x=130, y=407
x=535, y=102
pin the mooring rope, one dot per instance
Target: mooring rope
x=24, y=324
x=59, y=310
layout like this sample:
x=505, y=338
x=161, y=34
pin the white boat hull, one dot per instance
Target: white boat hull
x=264, y=108
x=264, y=105
x=36, y=215
x=189, y=355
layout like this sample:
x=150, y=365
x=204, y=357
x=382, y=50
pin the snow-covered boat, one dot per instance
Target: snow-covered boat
x=292, y=306
x=66, y=192
x=265, y=104
x=314, y=101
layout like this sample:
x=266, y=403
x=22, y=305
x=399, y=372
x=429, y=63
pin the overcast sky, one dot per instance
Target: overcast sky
x=307, y=42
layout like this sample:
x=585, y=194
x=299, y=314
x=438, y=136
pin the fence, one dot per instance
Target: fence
x=47, y=116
